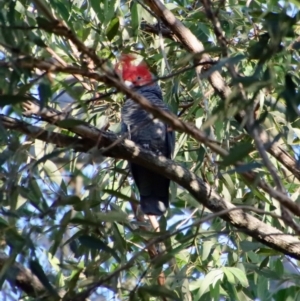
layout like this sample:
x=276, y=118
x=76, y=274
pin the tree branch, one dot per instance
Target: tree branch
x=200, y=190
x=54, y=117
x=23, y=278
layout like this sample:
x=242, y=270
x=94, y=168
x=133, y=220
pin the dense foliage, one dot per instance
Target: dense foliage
x=70, y=226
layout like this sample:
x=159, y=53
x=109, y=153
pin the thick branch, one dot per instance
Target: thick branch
x=202, y=192
x=54, y=116
x=36, y=132
x=111, y=79
x=23, y=278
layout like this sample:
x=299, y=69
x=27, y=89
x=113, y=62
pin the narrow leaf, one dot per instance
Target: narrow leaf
x=95, y=243
x=38, y=271
x=112, y=28
x=68, y=123
x=12, y=99
x=237, y=153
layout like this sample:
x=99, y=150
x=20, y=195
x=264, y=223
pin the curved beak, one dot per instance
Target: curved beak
x=128, y=83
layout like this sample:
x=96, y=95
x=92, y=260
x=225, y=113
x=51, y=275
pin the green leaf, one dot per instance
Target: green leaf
x=45, y=93
x=112, y=216
x=264, y=263
x=62, y=9
x=37, y=40
x=237, y=153
x=119, y=239
x=279, y=268
x=195, y=285
x=3, y=223
x=135, y=20
x=239, y=275
x=292, y=101
x=96, y=5
x=69, y=123
x=287, y=294
x=7, y=267
x=215, y=291
x=112, y=28
x=44, y=23
x=229, y=275
x=206, y=249
x=12, y=99
x=247, y=246
x=109, y=9
x=59, y=233
x=39, y=272
x=74, y=279
x=118, y=195
x=85, y=222
x=70, y=200
x=245, y=168
x=262, y=291
x=47, y=157
x=14, y=80
x=95, y=243
x=157, y=291
x=210, y=280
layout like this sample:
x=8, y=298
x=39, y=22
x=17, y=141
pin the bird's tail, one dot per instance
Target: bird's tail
x=154, y=205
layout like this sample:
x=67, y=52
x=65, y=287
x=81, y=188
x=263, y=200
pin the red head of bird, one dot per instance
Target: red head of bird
x=133, y=75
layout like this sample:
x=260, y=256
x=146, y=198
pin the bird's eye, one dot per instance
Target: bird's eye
x=138, y=77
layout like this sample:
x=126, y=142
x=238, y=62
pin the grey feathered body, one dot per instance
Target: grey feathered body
x=154, y=135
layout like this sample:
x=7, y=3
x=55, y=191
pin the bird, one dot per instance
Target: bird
x=148, y=132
